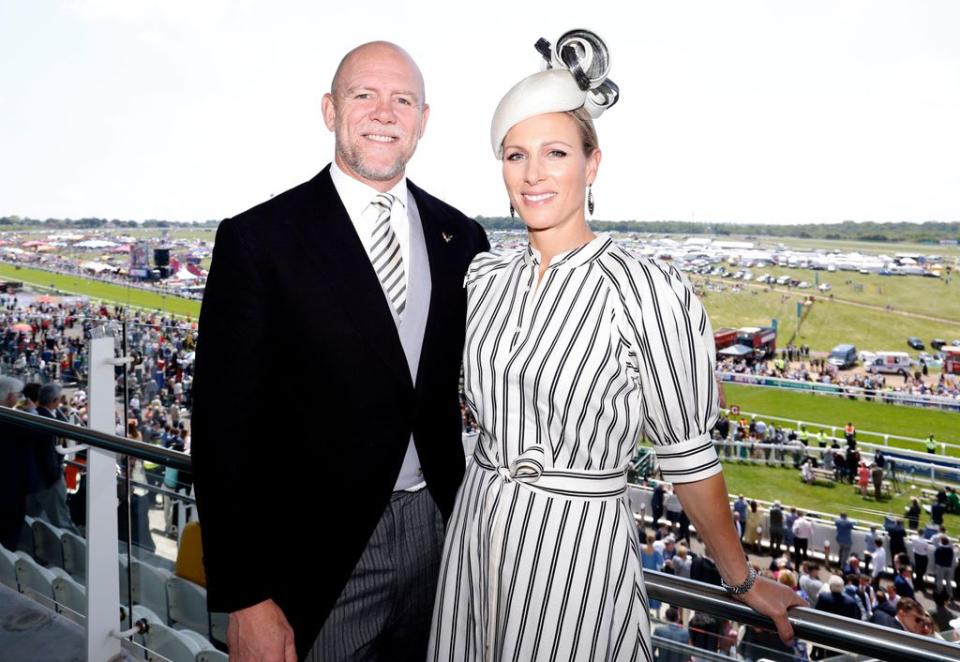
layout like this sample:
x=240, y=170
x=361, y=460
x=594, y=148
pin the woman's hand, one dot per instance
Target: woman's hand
x=773, y=599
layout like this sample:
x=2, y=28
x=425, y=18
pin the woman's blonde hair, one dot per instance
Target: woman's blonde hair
x=588, y=132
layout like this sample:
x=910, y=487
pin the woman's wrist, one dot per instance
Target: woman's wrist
x=742, y=586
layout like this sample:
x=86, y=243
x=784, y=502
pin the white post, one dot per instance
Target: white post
x=103, y=579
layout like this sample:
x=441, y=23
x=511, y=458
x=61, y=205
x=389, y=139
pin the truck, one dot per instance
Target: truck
x=724, y=337
x=843, y=356
x=951, y=360
x=894, y=363
x=762, y=339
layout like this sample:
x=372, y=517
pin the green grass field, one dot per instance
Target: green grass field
x=100, y=291
x=830, y=410
x=769, y=483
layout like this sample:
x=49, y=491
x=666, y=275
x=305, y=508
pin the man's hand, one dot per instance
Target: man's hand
x=261, y=633
x=773, y=599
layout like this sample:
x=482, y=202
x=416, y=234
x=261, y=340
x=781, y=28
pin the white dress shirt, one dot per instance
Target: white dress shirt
x=356, y=198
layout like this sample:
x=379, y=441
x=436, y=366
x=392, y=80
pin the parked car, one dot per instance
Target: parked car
x=824, y=287
x=915, y=343
x=938, y=343
x=783, y=280
x=955, y=343
x=803, y=284
x=929, y=360
x=866, y=357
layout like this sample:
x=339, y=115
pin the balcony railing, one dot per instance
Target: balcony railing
x=103, y=596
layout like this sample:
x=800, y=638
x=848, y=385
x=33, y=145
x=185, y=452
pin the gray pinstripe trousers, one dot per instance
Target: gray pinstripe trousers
x=384, y=612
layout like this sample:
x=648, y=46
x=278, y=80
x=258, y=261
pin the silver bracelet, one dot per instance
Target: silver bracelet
x=742, y=587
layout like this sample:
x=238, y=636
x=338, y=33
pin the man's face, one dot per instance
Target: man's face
x=377, y=113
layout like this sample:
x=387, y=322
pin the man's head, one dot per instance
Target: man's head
x=377, y=111
x=49, y=396
x=911, y=615
x=835, y=583
x=672, y=615
x=31, y=391
x=10, y=390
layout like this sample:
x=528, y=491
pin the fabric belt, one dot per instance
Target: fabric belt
x=529, y=472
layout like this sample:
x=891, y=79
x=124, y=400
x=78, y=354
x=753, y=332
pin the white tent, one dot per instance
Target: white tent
x=95, y=243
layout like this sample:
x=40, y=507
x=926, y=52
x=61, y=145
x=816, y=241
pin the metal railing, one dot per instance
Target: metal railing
x=103, y=592
x=816, y=626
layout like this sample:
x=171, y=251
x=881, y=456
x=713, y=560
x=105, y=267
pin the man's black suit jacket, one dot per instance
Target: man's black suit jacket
x=293, y=312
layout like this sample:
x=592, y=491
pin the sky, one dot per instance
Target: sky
x=756, y=112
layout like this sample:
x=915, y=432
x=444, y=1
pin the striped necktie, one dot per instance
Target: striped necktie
x=385, y=254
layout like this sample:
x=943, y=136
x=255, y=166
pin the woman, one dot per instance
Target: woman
x=651, y=559
x=573, y=348
x=754, y=528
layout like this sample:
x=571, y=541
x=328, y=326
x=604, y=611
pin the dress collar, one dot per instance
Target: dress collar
x=574, y=257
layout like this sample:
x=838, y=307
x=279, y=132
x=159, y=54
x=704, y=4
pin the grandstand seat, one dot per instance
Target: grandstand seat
x=140, y=613
x=47, y=548
x=188, y=605
x=190, y=555
x=26, y=536
x=8, y=567
x=218, y=626
x=71, y=595
x=35, y=580
x=150, y=588
x=74, y=555
x=175, y=645
x=212, y=656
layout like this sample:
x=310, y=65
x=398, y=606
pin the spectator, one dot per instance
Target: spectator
x=944, y=558
x=671, y=504
x=908, y=616
x=866, y=596
x=836, y=601
x=705, y=632
x=879, y=562
x=703, y=569
x=51, y=499
x=776, y=528
x=877, y=474
x=913, y=513
x=671, y=631
x=802, y=531
x=753, y=528
x=844, y=528
x=809, y=581
x=920, y=547
x=953, y=500
x=788, y=528
x=656, y=504
x=681, y=562
x=651, y=559
x=897, y=536
x=806, y=472
x=740, y=507
x=903, y=582
x=937, y=509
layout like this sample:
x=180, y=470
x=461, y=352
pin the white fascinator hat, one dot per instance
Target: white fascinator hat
x=574, y=76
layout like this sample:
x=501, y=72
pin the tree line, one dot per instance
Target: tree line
x=928, y=232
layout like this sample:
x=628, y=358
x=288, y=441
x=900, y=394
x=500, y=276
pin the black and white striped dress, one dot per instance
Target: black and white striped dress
x=541, y=560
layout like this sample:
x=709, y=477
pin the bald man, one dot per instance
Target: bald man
x=322, y=527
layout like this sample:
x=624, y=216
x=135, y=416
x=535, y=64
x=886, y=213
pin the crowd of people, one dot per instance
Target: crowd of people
x=795, y=364
x=883, y=585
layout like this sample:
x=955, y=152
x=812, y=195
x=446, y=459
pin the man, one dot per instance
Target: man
x=740, y=508
x=910, y=616
x=836, y=601
x=844, y=528
x=672, y=631
x=370, y=269
x=48, y=496
x=943, y=562
x=802, y=532
x=15, y=458
x=809, y=581
x=903, y=582
x=879, y=562
x=921, y=559
x=776, y=528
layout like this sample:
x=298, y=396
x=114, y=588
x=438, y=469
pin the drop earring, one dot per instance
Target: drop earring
x=590, y=200
x=513, y=212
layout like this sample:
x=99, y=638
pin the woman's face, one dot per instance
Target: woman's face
x=546, y=172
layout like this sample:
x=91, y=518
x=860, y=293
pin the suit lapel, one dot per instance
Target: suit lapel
x=329, y=238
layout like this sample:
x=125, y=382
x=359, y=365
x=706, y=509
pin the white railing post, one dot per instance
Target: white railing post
x=103, y=579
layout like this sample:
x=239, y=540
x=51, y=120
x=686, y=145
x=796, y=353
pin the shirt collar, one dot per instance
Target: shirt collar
x=356, y=195
x=574, y=257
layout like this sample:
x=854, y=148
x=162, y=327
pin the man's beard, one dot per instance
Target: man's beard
x=352, y=157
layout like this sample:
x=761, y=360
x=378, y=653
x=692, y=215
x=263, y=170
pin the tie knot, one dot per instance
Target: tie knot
x=382, y=202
